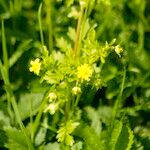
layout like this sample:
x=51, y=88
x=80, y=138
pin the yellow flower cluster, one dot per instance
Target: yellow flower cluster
x=35, y=66
x=84, y=72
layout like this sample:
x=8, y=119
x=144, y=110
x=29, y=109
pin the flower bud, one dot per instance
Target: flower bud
x=52, y=108
x=76, y=90
x=52, y=96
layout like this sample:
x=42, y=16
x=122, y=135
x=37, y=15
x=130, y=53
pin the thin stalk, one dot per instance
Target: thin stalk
x=38, y=117
x=6, y=64
x=118, y=101
x=5, y=78
x=10, y=96
x=68, y=105
x=31, y=121
x=40, y=24
x=4, y=48
x=49, y=24
x=78, y=33
x=77, y=99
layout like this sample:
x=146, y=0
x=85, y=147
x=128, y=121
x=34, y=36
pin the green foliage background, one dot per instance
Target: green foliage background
x=126, y=20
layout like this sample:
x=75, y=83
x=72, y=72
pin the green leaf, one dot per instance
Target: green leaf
x=90, y=138
x=95, y=119
x=4, y=119
x=63, y=44
x=105, y=114
x=86, y=28
x=29, y=103
x=52, y=78
x=16, y=140
x=131, y=139
x=121, y=137
x=72, y=34
x=3, y=138
x=125, y=139
x=40, y=137
x=69, y=2
x=115, y=134
x=52, y=146
x=77, y=146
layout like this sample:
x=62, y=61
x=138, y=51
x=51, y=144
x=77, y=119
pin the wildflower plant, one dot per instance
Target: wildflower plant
x=74, y=65
x=76, y=90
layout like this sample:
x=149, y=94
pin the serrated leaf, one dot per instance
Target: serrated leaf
x=16, y=140
x=125, y=139
x=91, y=140
x=115, y=134
x=62, y=44
x=122, y=139
x=131, y=137
x=95, y=119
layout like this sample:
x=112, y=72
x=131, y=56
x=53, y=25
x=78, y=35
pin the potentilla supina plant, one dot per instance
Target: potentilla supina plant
x=66, y=77
x=62, y=74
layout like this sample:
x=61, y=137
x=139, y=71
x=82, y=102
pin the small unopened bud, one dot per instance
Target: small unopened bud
x=51, y=108
x=52, y=96
x=76, y=90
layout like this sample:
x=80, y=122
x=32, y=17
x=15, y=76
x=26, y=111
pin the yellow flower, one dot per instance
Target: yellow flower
x=35, y=66
x=84, y=72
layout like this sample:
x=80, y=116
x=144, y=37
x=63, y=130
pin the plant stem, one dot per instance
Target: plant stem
x=10, y=96
x=38, y=117
x=40, y=24
x=4, y=48
x=78, y=31
x=49, y=24
x=31, y=121
x=118, y=101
